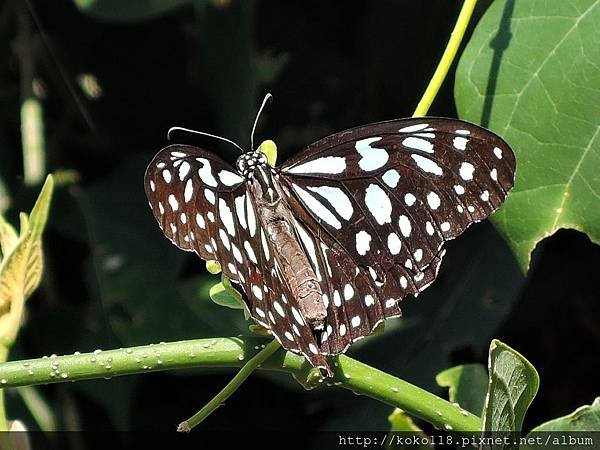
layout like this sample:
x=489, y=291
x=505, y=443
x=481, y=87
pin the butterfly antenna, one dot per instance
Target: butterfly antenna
x=264, y=102
x=202, y=133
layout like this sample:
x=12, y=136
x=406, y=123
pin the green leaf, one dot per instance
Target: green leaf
x=224, y=295
x=129, y=11
x=402, y=423
x=213, y=267
x=8, y=238
x=585, y=418
x=467, y=386
x=21, y=268
x=513, y=383
x=530, y=73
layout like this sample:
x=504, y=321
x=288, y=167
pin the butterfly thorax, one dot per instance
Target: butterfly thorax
x=278, y=222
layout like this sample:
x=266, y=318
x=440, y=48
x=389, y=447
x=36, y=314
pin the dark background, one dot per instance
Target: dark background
x=112, y=279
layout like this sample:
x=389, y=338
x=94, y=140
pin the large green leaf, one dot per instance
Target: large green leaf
x=531, y=73
x=467, y=386
x=513, y=383
x=585, y=418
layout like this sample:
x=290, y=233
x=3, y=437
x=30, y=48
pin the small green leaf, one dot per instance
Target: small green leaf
x=585, y=418
x=467, y=386
x=269, y=148
x=223, y=294
x=129, y=11
x=8, y=238
x=402, y=423
x=530, y=73
x=213, y=267
x=513, y=383
x=21, y=269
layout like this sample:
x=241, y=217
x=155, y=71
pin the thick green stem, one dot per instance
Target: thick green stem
x=233, y=353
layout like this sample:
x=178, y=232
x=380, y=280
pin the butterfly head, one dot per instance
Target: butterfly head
x=249, y=162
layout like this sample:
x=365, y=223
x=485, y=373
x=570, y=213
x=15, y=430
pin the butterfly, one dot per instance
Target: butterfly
x=326, y=245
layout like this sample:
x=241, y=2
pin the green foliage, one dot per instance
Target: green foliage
x=513, y=383
x=467, y=386
x=21, y=264
x=530, y=73
x=584, y=418
x=129, y=11
x=402, y=423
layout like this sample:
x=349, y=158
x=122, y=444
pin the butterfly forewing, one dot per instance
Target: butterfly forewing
x=384, y=198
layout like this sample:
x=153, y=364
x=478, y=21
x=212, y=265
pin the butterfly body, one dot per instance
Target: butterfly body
x=277, y=220
x=326, y=245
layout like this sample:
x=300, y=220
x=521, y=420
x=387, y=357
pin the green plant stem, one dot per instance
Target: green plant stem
x=231, y=353
x=444, y=65
x=231, y=387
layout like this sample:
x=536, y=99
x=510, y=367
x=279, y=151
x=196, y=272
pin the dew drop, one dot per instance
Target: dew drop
x=64, y=375
x=394, y=389
x=448, y=427
x=4, y=381
x=241, y=357
x=129, y=351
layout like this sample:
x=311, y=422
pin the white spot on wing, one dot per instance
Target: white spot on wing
x=466, y=171
x=173, y=202
x=240, y=212
x=418, y=144
x=363, y=242
x=166, y=174
x=412, y=128
x=460, y=143
x=433, y=200
x=210, y=196
x=410, y=199
x=373, y=158
x=498, y=152
x=394, y=244
x=226, y=217
x=404, y=225
x=184, y=169
x=427, y=165
x=189, y=190
x=327, y=164
x=379, y=204
x=317, y=207
x=337, y=198
x=309, y=245
x=229, y=178
x=205, y=172
x=250, y=252
x=348, y=292
x=391, y=178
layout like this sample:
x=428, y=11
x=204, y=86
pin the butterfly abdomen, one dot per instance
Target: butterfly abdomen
x=296, y=270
